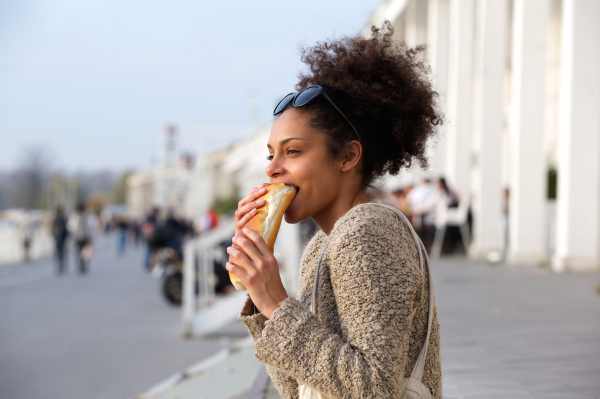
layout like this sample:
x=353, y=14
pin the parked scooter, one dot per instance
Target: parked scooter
x=168, y=267
x=166, y=260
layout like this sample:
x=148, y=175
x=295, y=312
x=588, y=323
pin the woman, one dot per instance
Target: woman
x=82, y=226
x=448, y=196
x=372, y=114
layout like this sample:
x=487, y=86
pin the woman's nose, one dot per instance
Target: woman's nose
x=275, y=168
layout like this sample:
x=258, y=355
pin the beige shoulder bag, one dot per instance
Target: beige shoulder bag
x=412, y=387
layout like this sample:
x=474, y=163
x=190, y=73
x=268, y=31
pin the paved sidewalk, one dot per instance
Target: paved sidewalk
x=105, y=335
x=514, y=332
x=507, y=332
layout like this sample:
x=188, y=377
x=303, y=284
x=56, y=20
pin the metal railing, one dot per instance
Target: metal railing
x=202, y=313
x=198, y=270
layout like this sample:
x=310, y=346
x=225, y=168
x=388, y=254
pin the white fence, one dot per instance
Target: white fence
x=204, y=313
x=198, y=270
x=12, y=249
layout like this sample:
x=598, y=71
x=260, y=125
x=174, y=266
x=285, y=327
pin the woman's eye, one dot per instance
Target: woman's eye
x=288, y=152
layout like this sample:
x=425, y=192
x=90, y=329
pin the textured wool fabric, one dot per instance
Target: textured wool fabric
x=372, y=318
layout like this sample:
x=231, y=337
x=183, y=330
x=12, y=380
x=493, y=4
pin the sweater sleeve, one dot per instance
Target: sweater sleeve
x=375, y=278
x=250, y=317
x=255, y=323
x=253, y=320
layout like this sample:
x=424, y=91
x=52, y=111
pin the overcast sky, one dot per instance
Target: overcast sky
x=95, y=81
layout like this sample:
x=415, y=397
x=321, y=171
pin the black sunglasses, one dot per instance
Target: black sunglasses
x=304, y=97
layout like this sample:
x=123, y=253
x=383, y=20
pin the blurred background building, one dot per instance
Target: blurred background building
x=167, y=185
x=520, y=87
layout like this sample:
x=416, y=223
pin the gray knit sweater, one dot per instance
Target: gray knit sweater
x=372, y=316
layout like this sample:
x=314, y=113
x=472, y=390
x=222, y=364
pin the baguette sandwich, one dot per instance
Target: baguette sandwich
x=268, y=218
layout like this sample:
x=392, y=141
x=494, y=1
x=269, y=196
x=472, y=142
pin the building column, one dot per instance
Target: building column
x=416, y=22
x=437, y=37
x=527, y=205
x=459, y=101
x=578, y=197
x=490, y=61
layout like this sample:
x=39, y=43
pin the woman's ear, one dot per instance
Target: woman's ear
x=352, y=156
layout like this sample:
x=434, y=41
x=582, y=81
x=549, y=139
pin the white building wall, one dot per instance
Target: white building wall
x=460, y=96
x=416, y=22
x=528, y=171
x=437, y=37
x=578, y=202
x=488, y=126
x=140, y=193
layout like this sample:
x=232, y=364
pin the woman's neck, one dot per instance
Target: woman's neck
x=327, y=217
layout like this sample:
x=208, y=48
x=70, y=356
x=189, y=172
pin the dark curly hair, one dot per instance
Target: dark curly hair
x=384, y=88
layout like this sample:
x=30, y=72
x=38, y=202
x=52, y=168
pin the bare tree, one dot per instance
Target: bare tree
x=32, y=173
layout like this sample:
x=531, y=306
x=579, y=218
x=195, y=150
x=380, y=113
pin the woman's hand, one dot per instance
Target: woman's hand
x=261, y=271
x=247, y=207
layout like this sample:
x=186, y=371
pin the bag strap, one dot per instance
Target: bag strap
x=315, y=298
x=417, y=371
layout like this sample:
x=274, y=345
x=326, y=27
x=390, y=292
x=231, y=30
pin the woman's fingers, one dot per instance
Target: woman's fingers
x=243, y=209
x=257, y=241
x=237, y=257
x=247, y=204
x=253, y=194
x=242, y=212
x=242, y=222
x=246, y=247
x=237, y=271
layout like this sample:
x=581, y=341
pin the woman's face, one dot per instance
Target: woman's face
x=298, y=156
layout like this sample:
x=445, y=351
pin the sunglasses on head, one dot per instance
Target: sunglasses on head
x=304, y=97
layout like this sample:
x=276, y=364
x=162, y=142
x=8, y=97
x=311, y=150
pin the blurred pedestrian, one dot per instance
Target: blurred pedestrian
x=448, y=195
x=392, y=198
x=148, y=227
x=135, y=231
x=60, y=233
x=176, y=230
x=446, y=198
x=210, y=220
x=122, y=228
x=26, y=231
x=422, y=200
x=80, y=224
x=403, y=205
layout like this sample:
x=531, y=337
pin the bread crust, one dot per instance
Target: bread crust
x=277, y=199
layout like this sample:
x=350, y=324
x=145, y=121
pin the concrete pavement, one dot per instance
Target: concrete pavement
x=514, y=332
x=506, y=332
x=108, y=334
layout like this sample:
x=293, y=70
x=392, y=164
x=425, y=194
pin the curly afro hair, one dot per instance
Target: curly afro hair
x=384, y=88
